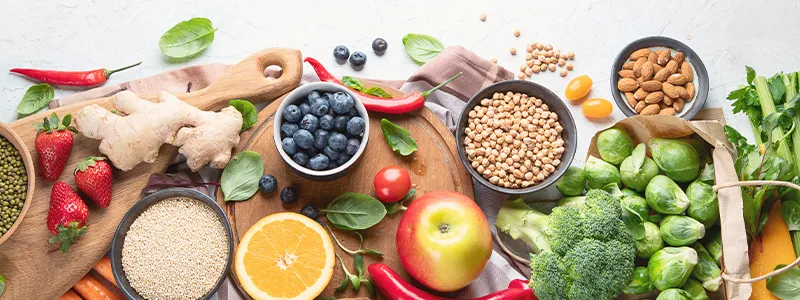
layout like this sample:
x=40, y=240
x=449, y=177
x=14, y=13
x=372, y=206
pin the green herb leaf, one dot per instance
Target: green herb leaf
x=751, y=74
x=371, y=289
x=398, y=138
x=777, y=88
x=359, y=260
x=378, y=92
x=634, y=222
x=352, y=83
x=347, y=276
x=187, y=38
x=2, y=284
x=356, y=281
x=372, y=252
x=785, y=286
x=791, y=211
x=36, y=98
x=239, y=180
x=249, y=113
x=354, y=211
x=422, y=47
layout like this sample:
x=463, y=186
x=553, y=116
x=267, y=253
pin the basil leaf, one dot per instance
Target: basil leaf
x=249, y=113
x=36, y=98
x=239, y=180
x=398, y=138
x=352, y=83
x=359, y=261
x=354, y=211
x=376, y=91
x=786, y=285
x=187, y=38
x=422, y=47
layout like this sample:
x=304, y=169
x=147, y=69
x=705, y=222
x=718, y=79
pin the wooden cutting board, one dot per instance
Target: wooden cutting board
x=34, y=269
x=435, y=166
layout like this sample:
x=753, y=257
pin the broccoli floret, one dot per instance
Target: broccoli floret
x=520, y=221
x=603, y=200
x=551, y=276
x=600, y=224
x=584, y=264
x=565, y=229
x=617, y=273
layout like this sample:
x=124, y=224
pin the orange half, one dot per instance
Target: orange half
x=285, y=256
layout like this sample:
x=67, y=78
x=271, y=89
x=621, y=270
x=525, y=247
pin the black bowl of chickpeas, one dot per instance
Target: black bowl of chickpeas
x=516, y=137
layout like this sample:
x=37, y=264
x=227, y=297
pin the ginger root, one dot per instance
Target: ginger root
x=141, y=127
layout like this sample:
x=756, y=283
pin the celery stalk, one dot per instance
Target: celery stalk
x=790, y=81
x=768, y=107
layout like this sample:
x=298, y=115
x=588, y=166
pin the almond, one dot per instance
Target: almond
x=664, y=56
x=650, y=109
x=668, y=100
x=654, y=97
x=662, y=75
x=641, y=53
x=651, y=86
x=670, y=90
x=661, y=105
x=647, y=71
x=690, y=89
x=628, y=65
x=667, y=111
x=637, y=67
x=626, y=74
x=678, y=104
x=672, y=66
x=682, y=92
x=686, y=71
x=679, y=57
x=677, y=79
x=640, y=94
x=656, y=68
x=631, y=101
x=639, y=106
x=653, y=58
x=627, y=85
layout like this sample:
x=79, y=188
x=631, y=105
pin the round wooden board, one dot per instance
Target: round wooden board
x=435, y=166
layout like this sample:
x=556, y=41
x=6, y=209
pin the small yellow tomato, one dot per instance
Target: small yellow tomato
x=578, y=87
x=597, y=108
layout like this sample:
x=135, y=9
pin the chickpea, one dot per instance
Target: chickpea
x=513, y=51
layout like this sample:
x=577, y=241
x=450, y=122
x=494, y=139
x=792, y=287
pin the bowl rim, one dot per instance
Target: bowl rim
x=552, y=100
x=701, y=73
x=299, y=93
x=30, y=171
x=149, y=200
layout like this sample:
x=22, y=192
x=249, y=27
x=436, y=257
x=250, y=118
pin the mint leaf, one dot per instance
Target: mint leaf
x=398, y=138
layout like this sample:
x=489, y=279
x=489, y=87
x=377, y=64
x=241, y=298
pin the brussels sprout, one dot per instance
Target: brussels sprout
x=674, y=294
x=637, y=170
x=572, y=183
x=713, y=243
x=634, y=212
x=614, y=145
x=703, y=203
x=651, y=243
x=655, y=217
x=640, y=282
x=695, y=289
x=572, y=201
x=671, y=266
x=629, y=192
x=681, y=230
x=707, y=174
x=600, y=173
x=706, y=269
x=676, y=158
x=665, y=196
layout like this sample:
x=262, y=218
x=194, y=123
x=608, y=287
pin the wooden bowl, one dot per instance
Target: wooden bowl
x=15, y=140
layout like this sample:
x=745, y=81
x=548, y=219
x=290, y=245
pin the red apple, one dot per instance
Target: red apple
x=444, y=240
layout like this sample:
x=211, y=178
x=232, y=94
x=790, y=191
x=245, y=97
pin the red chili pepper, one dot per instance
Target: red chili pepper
x=510, y=294
x=396, y=106
x=519, y=284
x=74, y=78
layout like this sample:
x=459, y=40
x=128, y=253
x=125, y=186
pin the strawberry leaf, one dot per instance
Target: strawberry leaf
x=67, y=236
x=89, y=161
x=67, y=119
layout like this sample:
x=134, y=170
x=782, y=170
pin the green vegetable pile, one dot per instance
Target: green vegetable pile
x=13, y=186
x=657, y=209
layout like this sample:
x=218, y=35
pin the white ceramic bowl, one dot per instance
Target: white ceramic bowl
x=297, y=96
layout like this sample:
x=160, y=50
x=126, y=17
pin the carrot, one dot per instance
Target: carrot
x=91, y=289
x=103, y=267
x=70, y=295
x=772, y=248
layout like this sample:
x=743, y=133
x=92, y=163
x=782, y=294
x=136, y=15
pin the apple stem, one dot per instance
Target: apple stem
x=444, y=228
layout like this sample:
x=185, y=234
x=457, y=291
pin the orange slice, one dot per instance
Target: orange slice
x=285, y=256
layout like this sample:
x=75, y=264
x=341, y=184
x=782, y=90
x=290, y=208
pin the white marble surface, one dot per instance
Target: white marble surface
x=79, y=34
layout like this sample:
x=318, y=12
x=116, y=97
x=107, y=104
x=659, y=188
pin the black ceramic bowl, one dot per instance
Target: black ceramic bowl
x=691, y=108
x=569, y=134
x=138, y=209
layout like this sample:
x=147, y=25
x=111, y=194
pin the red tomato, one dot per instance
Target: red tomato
x=392, y=184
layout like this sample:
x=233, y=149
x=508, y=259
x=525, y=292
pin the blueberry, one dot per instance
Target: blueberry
x=309, y=122
x=330, y=153
x=292, y=113
x=318, y=162
x=288, y=195
x=311, y=211
x=321, y=138
x=355, y=126
x=289, y=146
x=352, y=146
x=358, y=60
x=340, y=123
x=344, y=158
x=301, y=158
x=341, y=53
x=303, y=138
x=341, y=103
x=332, y=165
x=312, y=151
x=379, y=45
x=268, y=183
x=314, y=95
x=337, y=141
x=320, y=107
x=287, y=129
x=305, y=108
x=353, y=111
x=326, y=122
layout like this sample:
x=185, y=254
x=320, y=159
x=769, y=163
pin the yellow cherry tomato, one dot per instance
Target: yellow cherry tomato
x=578, y=87
x=597, y=108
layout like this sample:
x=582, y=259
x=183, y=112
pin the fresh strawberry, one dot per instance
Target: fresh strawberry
x=66, y=218
x=93, y=176
x=53, y=145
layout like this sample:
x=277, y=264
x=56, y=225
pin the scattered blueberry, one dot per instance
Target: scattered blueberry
x=289, y=146
x=355, y=126
x=314, y=95
x=303, y=138
x=343, y=158
x=342, y=103
x=309, y=122
x=319, y=107
x=337, y=141
x=353, y=111
x=340, y=123
x=268, y=183
x=326, y=122
x=311, y=211
x=379, y=45
x=305, y=108
x=341, y=53
x=358, y=60
x=292, y=113
x=318, y=162
x=352, y=146
x=331, y=154
x=287, y=129
x=301, y=158
x=321, y=137
x=288, y=195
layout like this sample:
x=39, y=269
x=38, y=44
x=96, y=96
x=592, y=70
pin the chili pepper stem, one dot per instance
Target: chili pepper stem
x=109, y=72
x=428, y=92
